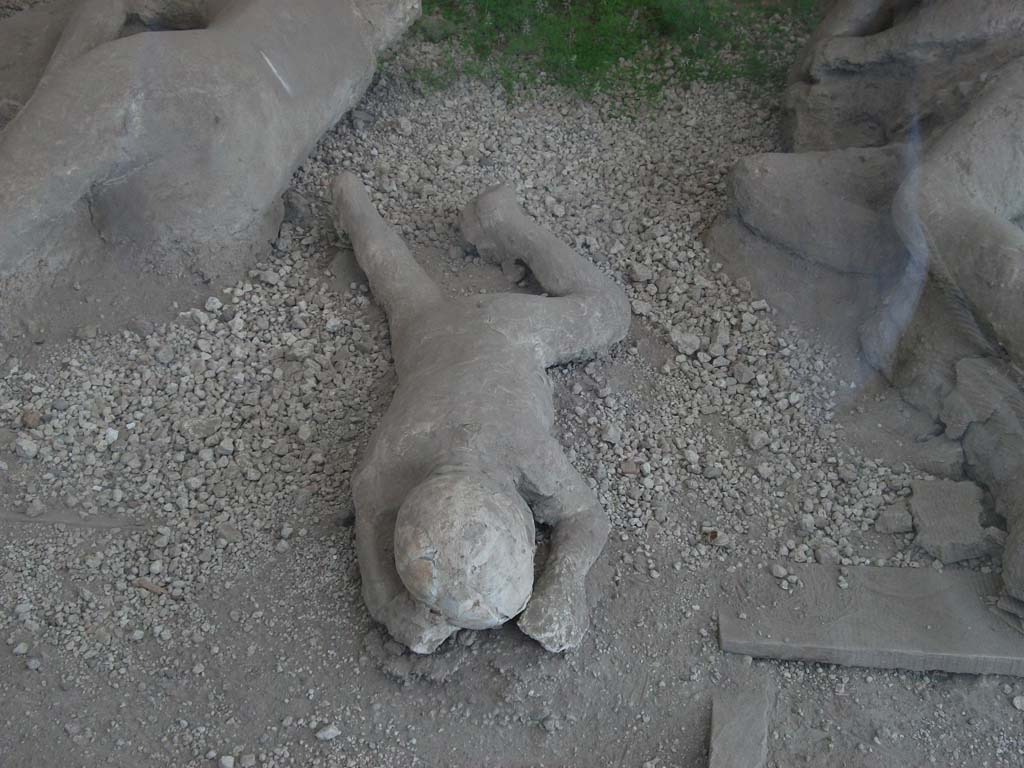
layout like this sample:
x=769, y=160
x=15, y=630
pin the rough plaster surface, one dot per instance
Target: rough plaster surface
x=133, y=151
x=443, y=487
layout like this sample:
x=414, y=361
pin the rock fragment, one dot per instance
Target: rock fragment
x=687, y=343
x=757, y=439
x=26, y=447
x=895, y=518
x=947, y=518
x=328, y=733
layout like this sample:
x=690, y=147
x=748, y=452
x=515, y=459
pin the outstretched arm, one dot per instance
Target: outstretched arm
x=408, y=621
x=396, y=279
x=556, y=615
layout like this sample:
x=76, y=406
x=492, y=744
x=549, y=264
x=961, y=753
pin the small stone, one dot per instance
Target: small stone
x=247, y=761
x=270, y=277
x=328, y=733
x=827, y=555
x=744, y=374
x=226, y=761
x=213, y=304
x=757, y=439
x=405, y=126
x=165, y=354
x=611, y=434
x=1018, y=703
x=21, y=649
x=26, y=447
x=361, y=119
x=779, y=571
x=639, y=273
x=30, y=419
x=200, y=428
x=686, y=343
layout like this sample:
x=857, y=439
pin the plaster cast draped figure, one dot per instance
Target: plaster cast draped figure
x=168, y=149
x=903, y=207
x=443, y=496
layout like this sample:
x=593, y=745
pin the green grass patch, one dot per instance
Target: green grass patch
x=594, y=44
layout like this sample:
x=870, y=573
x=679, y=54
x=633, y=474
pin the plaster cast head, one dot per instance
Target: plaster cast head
x=464, y=546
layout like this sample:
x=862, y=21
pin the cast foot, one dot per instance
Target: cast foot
x=480, y=216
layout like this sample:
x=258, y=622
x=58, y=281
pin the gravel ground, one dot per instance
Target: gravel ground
x=178, y=584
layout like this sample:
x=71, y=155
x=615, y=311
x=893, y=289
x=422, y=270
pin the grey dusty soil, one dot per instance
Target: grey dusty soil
x=177, y=577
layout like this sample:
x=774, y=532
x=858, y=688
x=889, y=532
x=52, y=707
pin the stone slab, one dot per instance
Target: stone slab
x=947, y=517
x=739, y=726
x=889, y=618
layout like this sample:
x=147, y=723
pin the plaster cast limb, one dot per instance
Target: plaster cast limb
x=957, y=210
x=408, y=621
x=168, y=148
x=589, y=312
x=94, y=22
x=848, y=18
x=400, y=284
x=30, y=157
x=556, y=615
x=922, y=35
x=781, y=196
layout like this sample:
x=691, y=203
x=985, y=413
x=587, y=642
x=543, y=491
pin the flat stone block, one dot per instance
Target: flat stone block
x=890, y=618
x=739, y=726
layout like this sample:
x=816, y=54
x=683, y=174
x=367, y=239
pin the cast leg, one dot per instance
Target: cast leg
x=589, y=312
x=92, y=23
x=924, y=36
x=71, y=134
x=781, y=197
x=956, y=211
